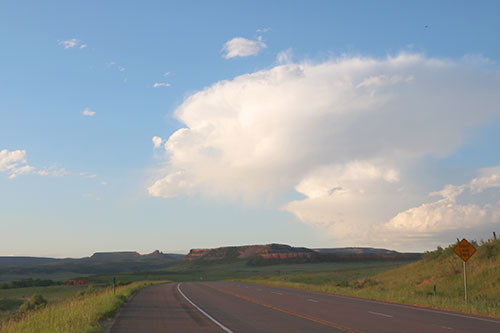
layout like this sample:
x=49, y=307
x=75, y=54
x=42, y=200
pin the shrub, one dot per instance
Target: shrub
x=343, y=284
x=120, y=283
x=34, y=303
x=90, y=290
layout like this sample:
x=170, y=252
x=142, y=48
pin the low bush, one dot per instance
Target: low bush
x=34, y=303
x=90, y=290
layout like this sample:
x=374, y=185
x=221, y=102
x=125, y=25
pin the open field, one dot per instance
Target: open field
x=69, y=269
x=56, y=276
x=80, y=313
x=240, y=270
x=414, y=283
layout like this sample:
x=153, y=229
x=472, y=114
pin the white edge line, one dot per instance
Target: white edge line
x=380, y=314
x=201, y=310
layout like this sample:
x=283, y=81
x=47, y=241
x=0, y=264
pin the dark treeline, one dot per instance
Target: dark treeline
x=29, y=283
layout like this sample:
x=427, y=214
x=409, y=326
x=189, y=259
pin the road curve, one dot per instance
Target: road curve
x=240, y=307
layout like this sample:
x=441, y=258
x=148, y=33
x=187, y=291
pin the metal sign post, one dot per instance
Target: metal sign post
x=465, y=281
x=464, y=250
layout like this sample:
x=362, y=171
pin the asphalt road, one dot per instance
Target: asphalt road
x=240, y=307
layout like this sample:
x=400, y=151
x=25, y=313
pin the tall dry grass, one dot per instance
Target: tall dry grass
x=82, y=313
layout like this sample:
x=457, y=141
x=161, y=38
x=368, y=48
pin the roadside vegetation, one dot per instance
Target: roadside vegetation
x=414, y=283
x=12, y=298
x=85, y=311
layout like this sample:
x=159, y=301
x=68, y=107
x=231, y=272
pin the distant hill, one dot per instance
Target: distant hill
x=355, y=250
x=279, y=253
x=98, y=263
x=25, y=261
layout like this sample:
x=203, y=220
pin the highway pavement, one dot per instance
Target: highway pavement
x=241, y=307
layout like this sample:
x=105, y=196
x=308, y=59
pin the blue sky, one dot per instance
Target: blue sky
x=320, y=124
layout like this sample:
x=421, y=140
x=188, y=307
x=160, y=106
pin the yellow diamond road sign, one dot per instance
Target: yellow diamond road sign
x=464, y=250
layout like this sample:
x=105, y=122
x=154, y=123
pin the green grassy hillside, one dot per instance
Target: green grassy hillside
x=444, y=269
x=414, y=283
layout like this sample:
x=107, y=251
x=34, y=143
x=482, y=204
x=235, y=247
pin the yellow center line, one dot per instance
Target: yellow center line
x=299, y=315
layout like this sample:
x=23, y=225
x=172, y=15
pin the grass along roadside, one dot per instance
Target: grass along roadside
x=414, y=283
x=11, y=299
x=81, y=313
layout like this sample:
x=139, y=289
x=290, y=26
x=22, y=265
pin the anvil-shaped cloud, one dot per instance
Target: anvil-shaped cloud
x=339, y=132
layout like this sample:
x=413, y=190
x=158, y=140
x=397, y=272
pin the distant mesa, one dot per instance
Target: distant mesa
x=98, y=256
x=280, y=253
x=131, y=255
x=247, y=251
x=108, y=256
x=98, y=263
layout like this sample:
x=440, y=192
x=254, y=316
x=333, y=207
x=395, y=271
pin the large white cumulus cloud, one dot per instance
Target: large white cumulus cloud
x=339, y=132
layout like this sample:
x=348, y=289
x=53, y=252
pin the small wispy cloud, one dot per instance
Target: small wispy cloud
x=15, y=163
x=161, y=84
x=285, y=57
x=88, y=112
x=117, y=66
x=87, y=175
x=71, y=43
x=53, y=172
x=157, y=141
x=91, y=196
x=242, y=47
x=263, y=30
x=166, y=74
